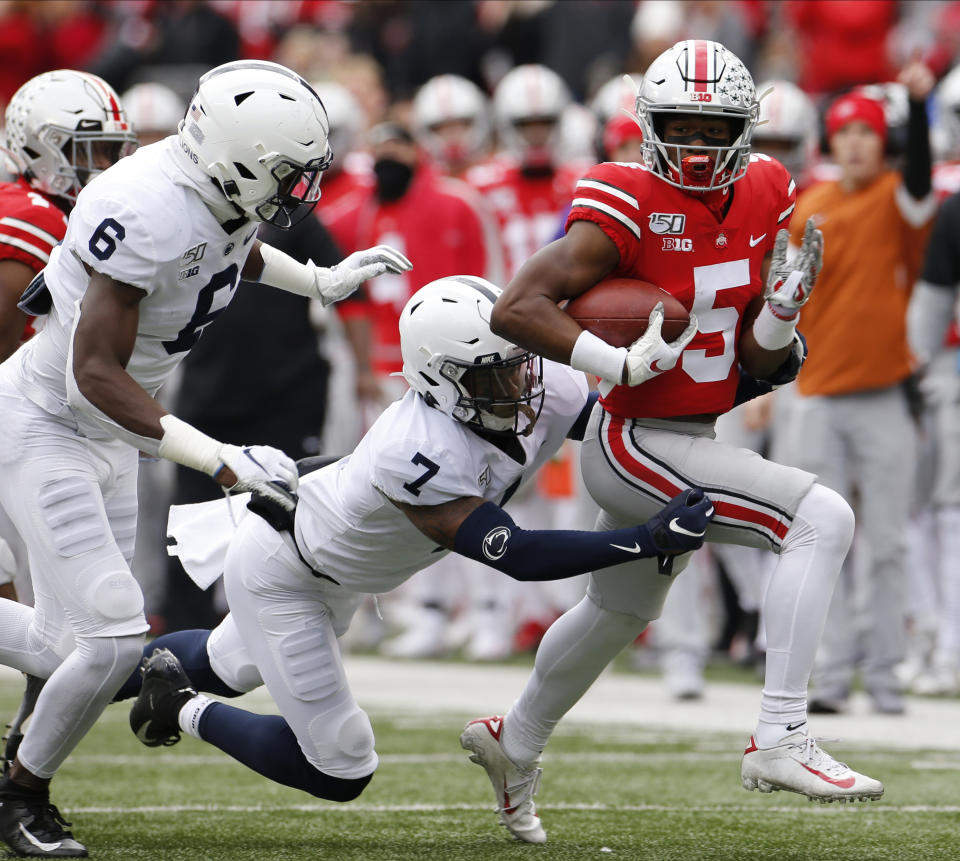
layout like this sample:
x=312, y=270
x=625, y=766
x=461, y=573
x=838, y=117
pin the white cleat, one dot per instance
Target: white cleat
x=799, y=764
x=513, y=787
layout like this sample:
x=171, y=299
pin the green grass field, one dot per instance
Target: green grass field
x=607, y=792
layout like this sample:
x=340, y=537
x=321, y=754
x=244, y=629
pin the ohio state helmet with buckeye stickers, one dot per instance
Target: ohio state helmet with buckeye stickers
x=63, y=128
x=697, y=77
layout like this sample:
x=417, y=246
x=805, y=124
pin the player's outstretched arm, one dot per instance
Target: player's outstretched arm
x=328, y=285
x=483, y=531
x=103, y=344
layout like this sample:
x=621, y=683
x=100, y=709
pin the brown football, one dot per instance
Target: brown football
x=617, y=310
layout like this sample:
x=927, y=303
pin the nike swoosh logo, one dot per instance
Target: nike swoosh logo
x=43, y=847
x=794, y=726
x=635, y=549
x=755, y=242
x=676, y=527
x=846, y=783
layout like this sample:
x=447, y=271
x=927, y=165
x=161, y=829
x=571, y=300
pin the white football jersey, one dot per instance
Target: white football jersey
x=143, y=223
x=348, y=528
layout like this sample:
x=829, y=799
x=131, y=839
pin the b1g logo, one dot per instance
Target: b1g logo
x=701, y=97
x=671, y=244
x=667, y=222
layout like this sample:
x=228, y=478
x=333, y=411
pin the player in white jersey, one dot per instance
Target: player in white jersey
x=154, y=250
x=430, y=475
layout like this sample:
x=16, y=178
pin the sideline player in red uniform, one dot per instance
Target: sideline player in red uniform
x=704, y=220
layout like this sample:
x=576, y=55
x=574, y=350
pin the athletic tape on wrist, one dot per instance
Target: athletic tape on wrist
x=184, y=444
x=771, y=331
x=281, y=270
x=597, y=357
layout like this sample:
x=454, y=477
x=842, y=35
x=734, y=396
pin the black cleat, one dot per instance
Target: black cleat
x=155, y=712
x=33, y=828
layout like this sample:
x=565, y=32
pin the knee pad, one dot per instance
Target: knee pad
x=73, y=513
x=115, y=596
x=343, y=743
x=229, y=658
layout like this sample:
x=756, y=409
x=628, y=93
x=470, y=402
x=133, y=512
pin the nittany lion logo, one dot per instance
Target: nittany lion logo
x=495, y=542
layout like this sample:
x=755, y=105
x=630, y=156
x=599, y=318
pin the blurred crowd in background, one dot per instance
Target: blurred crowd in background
x=459, y=129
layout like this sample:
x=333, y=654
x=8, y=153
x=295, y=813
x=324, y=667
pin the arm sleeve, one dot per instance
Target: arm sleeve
x=916, y=170
x=490, y=536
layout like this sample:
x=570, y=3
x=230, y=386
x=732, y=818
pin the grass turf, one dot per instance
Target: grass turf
x=607, y=793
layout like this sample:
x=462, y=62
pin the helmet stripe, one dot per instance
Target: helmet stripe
x=701, y=74
x=112, y=104
x=477, y=285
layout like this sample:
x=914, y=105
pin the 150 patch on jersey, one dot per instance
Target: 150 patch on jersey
x=667, y=222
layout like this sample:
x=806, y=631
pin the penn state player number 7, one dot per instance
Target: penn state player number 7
x=431, y=470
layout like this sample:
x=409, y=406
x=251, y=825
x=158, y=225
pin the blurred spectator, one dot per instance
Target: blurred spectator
x=841, y=43
x=154, y=110
x=351, y=172
x=21, y=46
x=946, y=135
x=315, y=54
x=187, y=37
x=622, y=139
x=451, y=121
x=431, y=219
x=851, y=423
x=788, y=129
x=364, y=78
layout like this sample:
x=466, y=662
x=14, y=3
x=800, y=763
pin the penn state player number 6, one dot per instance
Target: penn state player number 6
x=432, y=469
x=105, y=238
x=708, y=281
x=202, y=315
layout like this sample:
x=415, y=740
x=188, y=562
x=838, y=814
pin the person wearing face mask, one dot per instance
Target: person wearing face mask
x=433, y=219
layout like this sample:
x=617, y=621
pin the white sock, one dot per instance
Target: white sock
x=795, y=608
x=573, y=652
x=189, y=717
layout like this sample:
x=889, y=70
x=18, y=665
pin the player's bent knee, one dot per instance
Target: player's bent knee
x=345, y=749
x=829, y=514
x=116, y=596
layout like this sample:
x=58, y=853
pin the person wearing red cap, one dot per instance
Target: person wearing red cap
x=851, y=423
x=622, y=139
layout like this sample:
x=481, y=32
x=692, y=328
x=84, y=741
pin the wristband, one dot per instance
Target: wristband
x=184, y=444
x=597, y=357
x=771, y=331
x=282, y=271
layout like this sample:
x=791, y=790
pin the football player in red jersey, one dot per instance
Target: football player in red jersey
x=704, y=220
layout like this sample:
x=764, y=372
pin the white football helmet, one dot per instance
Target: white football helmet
x=528, y=94
x=615, y=96
x=446, y=99
x=459, y=366
x=947, y=127
x=789, y=119
x=261, y=132
x=697, y=77
x=65, y=127
x=346, y=117
x=154, y=109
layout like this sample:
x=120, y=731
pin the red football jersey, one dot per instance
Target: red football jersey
x=30, y=226
x=670, y=238
x=529, y=210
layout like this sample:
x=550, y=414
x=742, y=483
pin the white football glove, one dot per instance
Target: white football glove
x=340, y=281
x=258, y=468
x=789, y=284
x=650, y=355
